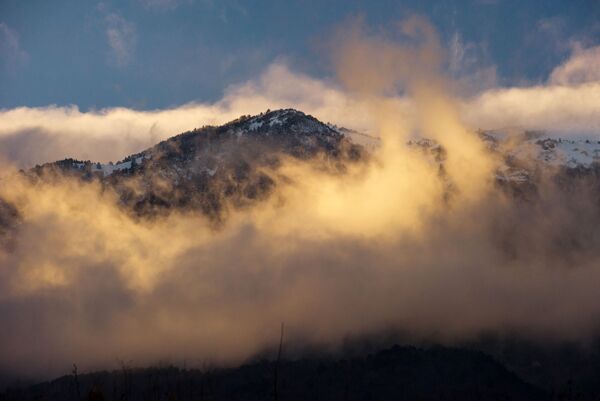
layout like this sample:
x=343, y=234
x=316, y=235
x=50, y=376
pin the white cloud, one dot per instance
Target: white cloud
x=564, y=110
x=122, y=38
x=111, y=134
x=566, y=105
x=583, y=66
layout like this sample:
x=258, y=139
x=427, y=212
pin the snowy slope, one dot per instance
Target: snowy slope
x=521, y=151
x=559, y=152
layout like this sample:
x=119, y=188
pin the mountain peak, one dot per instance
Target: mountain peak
x=282, y=121
x=212, y=167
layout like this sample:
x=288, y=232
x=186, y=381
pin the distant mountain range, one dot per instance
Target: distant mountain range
x=216, y=168
x=239, y=159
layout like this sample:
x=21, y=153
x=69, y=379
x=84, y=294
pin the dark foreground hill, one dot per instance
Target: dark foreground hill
x=398, y=373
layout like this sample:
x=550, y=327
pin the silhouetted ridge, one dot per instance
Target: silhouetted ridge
x=398, y=373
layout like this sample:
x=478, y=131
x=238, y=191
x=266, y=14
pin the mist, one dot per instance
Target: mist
x=388, y=245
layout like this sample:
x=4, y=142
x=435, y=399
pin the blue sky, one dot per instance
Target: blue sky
x=147, y=54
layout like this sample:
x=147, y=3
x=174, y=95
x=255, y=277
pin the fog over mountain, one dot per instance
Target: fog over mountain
x=377, y=203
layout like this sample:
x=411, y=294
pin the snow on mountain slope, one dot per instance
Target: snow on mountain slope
x=560, y=152
x=525, y=154
x=215, y=168
x=520, y=151
x=106, y=169
x=237, y=163
x=555, y=152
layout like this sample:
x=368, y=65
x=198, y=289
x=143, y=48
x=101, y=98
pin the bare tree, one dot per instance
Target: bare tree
x=76, y=379
x=277, y=362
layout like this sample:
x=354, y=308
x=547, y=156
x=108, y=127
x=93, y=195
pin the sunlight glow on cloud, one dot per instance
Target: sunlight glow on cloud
x=332, y=255
x=582, y=67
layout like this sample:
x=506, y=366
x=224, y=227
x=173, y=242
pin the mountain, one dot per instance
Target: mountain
x=216, y=169
x=525, y=160
x=212, y=169
x=535, y=146
x=397, y=373
x=526, y=154
x=237, y=162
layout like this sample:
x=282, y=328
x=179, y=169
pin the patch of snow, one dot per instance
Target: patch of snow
x=108, y=169
x=276, y=121
x=506, y=173
x=252, y=127
x=560, y=152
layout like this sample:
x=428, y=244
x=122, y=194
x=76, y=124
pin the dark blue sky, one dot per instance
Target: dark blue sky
x=159, y=53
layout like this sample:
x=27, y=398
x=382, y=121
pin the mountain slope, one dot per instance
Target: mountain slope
x=214, y=168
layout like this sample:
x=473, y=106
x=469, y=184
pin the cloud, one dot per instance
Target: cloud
x=113, y=133
x=565, y=105
x=457, y=50
x=334, y=256
x=10, y=47
x=582, y=67
x=121, y=36
x=563, y=110
x=37, y=135
x=100, y=278
x=467, y=66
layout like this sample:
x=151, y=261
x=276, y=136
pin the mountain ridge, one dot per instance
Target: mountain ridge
x=215, y=169
x=396, y=373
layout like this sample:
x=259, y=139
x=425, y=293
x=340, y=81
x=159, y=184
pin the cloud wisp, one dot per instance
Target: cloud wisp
x=582, y=67
x=122, y=37
x=11, y=51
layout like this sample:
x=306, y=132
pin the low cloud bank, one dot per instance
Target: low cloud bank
x=566, y=106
